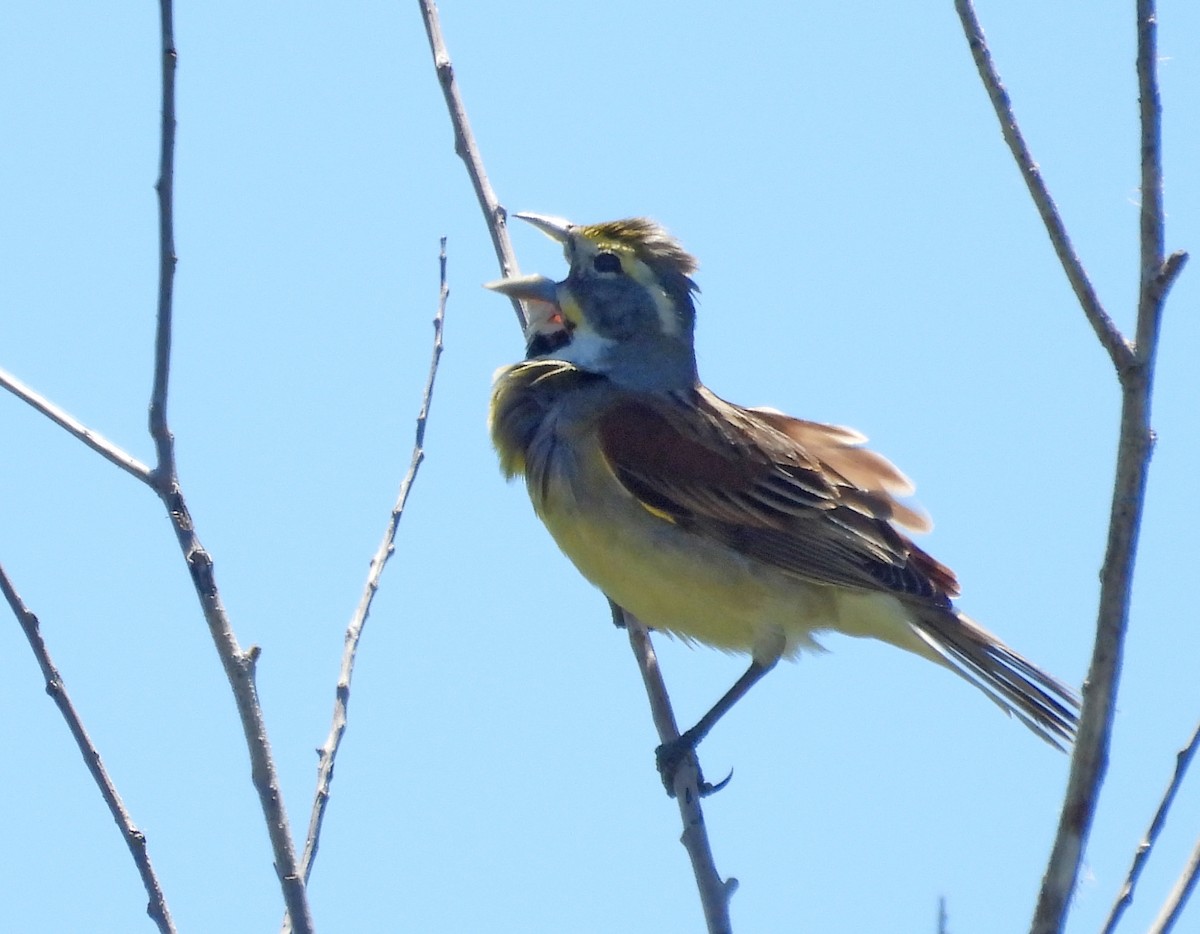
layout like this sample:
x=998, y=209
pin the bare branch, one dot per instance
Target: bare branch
x=1135, y=371
x=239, y=669
x=1156, y=276
x=1161, y=284
x=1090, y=759
x=239, y=666
x=1176, y=901
x=1112, y=339
x=165, y=187
x=494, y=215
x=715, y=893
x=1125, y=897
x=328, y=752
x=135, y=840
x=1135, y=446
x=1151, y=232
x=63, y=419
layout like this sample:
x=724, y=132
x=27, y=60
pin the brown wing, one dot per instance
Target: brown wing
x=841, y=452
x=797, y=495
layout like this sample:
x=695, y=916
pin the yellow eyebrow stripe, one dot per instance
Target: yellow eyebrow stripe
x=668, y=318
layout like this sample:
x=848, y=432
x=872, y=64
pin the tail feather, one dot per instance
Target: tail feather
x=1043, y=703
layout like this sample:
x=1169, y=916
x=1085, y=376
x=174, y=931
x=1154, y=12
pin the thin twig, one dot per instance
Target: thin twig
x=238, y=665
x=494, y=215
x=135, y=840
x=1116, y=345
x=1156, y=276
x=1152, y=237
x=328, y=752
x=1177, y=899
x=164, y=443
x=1125, y=897
x=715, y=893
x=63, y=419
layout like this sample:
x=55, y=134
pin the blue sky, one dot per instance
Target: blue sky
x=868, y=257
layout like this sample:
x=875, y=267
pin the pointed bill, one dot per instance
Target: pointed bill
x=545, y=330
x=526, y=288
x=556, y=228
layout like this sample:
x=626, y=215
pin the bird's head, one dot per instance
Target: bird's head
x=625, y=309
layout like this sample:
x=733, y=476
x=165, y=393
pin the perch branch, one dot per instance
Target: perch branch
x=714, y=893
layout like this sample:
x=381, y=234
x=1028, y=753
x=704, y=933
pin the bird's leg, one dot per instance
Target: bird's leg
x=671, y=755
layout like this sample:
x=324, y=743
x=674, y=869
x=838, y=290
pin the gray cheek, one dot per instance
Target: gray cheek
x=621, y=316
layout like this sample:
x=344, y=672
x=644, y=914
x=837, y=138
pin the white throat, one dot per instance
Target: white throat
x=587, y=350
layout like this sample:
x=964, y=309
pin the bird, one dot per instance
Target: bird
x=739, y=528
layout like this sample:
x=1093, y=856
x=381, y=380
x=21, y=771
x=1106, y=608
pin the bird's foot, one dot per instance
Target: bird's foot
x=671, y=757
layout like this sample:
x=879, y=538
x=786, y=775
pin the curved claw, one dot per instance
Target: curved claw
x=706, y=789
x=669, y=757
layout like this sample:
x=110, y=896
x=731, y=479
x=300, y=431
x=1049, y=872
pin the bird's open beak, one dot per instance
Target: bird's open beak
x=544, y=329
x=556, y=228
x=526, y=288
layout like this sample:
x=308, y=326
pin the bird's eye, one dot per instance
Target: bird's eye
x=606, y=262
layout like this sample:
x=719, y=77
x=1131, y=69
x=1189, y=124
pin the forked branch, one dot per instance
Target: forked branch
x=1134, y=364
x=238, y=665
x=163, y=478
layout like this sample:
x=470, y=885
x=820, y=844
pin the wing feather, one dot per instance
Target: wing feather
x=801, y=496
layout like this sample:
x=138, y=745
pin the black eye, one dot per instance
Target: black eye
x=606, y=262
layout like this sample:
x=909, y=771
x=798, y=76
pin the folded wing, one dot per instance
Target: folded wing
x=801, y=496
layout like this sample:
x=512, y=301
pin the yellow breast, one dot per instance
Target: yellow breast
x=674, y=580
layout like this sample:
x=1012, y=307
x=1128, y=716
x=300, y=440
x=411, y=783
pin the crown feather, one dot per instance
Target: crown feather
x=648, y=239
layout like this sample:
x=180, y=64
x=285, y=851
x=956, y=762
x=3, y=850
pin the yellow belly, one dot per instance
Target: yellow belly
x=696, y=588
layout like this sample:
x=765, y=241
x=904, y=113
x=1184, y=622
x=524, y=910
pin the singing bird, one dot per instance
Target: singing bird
x=740, y=528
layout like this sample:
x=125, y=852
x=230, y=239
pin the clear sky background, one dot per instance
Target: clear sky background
x=869, y=256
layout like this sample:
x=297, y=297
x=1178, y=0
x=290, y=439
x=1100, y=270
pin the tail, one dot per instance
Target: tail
x=1019, y=687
